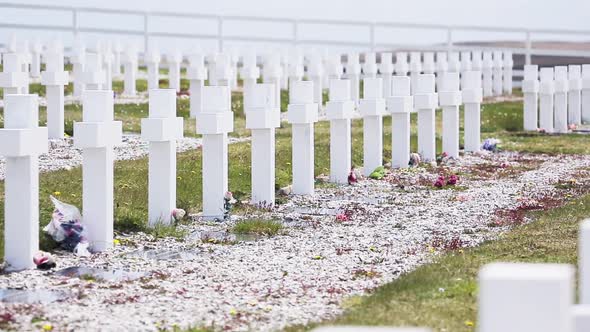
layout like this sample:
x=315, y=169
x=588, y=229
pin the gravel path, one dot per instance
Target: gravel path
x=305, y=273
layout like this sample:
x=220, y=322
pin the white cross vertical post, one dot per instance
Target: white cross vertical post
x=130, y=71
x=223, y=72
x=454, y=62
x=574, y=110
x=334, y=68
x=508, y=67
x=96, y=135
x=401, y=64
x=560, y=100
x=581, y=318
x=27, y=59
x=428, y=65
x=472, y=98
x=152, y=61
x=174, y=59
x=476, y=61
x=530, y=90
x=415, y=69
x=55, y=78
x=372, y=108
x=425, y=103
x=22, y=142
x=12, y=78
x=161, y=130
x=339, y=111
x=386, y=72
x=36, y=59
x=370, y=65
x=296, y=69
x=271, y=73
x=215, y=122
x=546, y=93
x=315, y=72
x=250, y=71
x=302, y=114
x=487, y=71
x=519, y=297
x=234, y=59
x=353, y=74
x=498, y=70
x=211, y=69
x=585, y=93
x=196, y=74
x=584, y=262
x=442, y=66
x=400, y=104
x=117, y=50
x=284, y=71
x=450, y=99
x=77, y=60
x=94, y=74
x=262, y=117
x=466, y=64
x=107, y=64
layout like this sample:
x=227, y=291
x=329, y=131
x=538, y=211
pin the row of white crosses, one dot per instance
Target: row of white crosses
x=556, y=97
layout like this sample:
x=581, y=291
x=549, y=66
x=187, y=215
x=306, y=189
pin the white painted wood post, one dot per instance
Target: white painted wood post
x=262, y=117
x=12, y=78
x=370, y=65
x=174, y=59
x=271, y=73
x=107, y=64
x=152, y=61
x=546, y=93
x=339, y=111
x=77, y=60
x=94, y=75
x=211, y=69
x=386, y=72
x=196, y=74
x=353, y=74
x=425, y=103
x=130, y=71
x=450, y=99
x=296, y=68
x=442, y=66
x=520, y=297
x=466, y=64
x=161, y=130
x=560, y=100
x=250, y=71
x=584, y=262
x=530, y=90
x=498, y=72
x=215, y=122
x=36, y=50
x=315, y=72
x=400, y=104
x=234, y=58
x=96, y=135
x=428, y=65
x=25, y=51
x=334, y=68
x=508, y=65
x=586, y=94
x=574, y=110
x=302, y=114
x=117, y=50
x=454, y=62
x=401, y=64
x=284, y=71
x=415, y=69
x=472, y=98
x=476, y=61
x=55, y=78
x=487, y=71
x=22, y=142
x=223, y=71
x=372, y=109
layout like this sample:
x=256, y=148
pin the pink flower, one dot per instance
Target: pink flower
x=440, y=182
x=453, y=179
x=352, y=177
x=572, y=126
x=341, y=217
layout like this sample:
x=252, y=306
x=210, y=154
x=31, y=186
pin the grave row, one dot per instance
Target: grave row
x=556, y=98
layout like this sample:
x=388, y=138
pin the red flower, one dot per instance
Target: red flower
x=453, y=179
x=440, y=182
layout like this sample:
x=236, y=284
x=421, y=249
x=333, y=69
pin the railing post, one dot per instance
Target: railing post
x=528, y=46
x=220, y=33
x=146, y=33
x=372, y=32
x=75, y=23
x=449, y=39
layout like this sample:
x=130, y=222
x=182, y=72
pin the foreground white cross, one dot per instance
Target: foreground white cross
x=372, y=109
x=302, y=114
x=214, y=123
x=450, y=100
x=425, y=103
x=22, y=143
x=339, y=111
x=560, y=100
x=400, y=104
x=96, y=135
x=530, y=90
x=55, y=78
x=472, y=98
x=161, y=130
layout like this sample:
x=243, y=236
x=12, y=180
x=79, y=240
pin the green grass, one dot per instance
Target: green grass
x=257, y=227
x=416, y=299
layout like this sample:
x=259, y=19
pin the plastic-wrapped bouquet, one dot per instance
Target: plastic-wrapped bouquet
x=66, y=228
x=490, y=144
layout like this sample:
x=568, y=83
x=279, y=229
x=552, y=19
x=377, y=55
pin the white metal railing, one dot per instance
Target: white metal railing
x=295, y=38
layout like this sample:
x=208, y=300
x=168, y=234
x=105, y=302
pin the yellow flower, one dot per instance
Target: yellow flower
x=116, y=242
x=233, y=312
x=66, y=135
x=469, y=323
x=47, y=327
x=56, y=193
x=179, y=177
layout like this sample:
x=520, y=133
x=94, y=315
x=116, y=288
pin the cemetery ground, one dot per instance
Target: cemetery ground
x=395, y=251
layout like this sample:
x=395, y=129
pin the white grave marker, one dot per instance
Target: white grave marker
x=96, y=135
x=530, y=90
x=23, y=142
x=585, y=93
x=334, y=68
x=415, y=69
x=130, y=71
x=271, y=73
x=94, y=74
x=12, y=78
x=77, y=59
x=339, y=111
x=450, y=100
x=107, y=64
x=498, y=72
x=425, y=103
x=353, y=73
x=174, y=59
x=302, y=114
x=315, y=72
x=472, y=98
x=508, y=65
x=250, y=71
x=519, y=297
x=161, y=130
x=223, y=71
x=400, y=104
x=574, y=111
x=372, y=108
x=386, y=72
x=370, y=65
x=560, y=100
x=215, y=122
x=546, y=92
x=55, y=78
x=296, y=68
x=117, y=52
x=487, y=71
x=36, y=50
x=152, y=61
x=581, y=318
x=401, y=64
x=442, y=66
x=196, y=74
x=584, y=262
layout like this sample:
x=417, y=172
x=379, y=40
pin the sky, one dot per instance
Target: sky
x=545, y=14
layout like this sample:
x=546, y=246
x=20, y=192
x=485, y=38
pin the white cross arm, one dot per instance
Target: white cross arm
x=13, y=79
x=55, y=78
x=23, y=142
x=215, y=123
x=302, y=113
x=162, y=129
x=97, y=134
